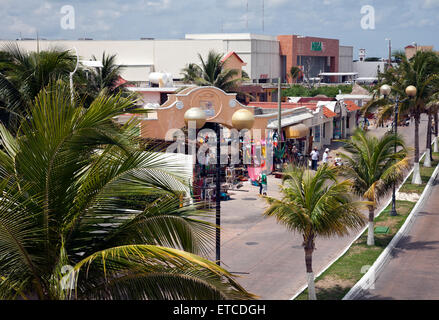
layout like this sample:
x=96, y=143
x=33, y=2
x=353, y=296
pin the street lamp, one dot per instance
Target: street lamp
x=241, y=119
x=87, y=63
x=385, y=91
x=72, y=73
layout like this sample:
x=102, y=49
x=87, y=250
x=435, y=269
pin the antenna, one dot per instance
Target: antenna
x=246, y=17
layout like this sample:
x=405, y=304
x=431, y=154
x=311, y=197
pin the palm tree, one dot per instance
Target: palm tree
x=420, y=71
x=295, y=73
x=24, y=74
x=374, y=168
x=67, y=227
x=191, y=73
x=106, y=77
x=315, y=205
x=211, y=72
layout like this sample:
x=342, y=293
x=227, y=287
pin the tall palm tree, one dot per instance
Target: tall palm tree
x=315, y=205
x=67, y=229
x=23, y=74
x=374, y=168
x=421, y=71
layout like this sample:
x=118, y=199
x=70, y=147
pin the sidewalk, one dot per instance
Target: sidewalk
x=411, y=274
x=270, y=260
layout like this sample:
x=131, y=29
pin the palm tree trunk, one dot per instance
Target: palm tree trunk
x=427, y=160
x=435, y=146
x=309, y=248
x=370, y=233
x=416, y=172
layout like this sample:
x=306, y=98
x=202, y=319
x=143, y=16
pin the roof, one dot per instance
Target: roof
x=231, y=53
x=351, y=106
x=315, y=99
x=331, y=74
x=284, y=105
x=288, y=121
x=328, y=113
x=251, y=89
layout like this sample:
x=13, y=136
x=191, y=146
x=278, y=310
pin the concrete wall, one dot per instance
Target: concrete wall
x=368, y=69
x=261, y=53
x=346, y=57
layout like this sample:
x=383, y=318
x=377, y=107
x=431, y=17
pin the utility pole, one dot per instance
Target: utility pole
x=389, y=64
x=279, y=111
x=246, y=17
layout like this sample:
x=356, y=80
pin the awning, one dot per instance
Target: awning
x=296, y=132
x=289, y=120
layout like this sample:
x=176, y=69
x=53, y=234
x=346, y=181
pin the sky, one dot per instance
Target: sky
x=358, y=23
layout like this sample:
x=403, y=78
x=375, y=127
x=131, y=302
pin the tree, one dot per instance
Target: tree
x=191, y=73
x=374, y=168
x=315, y=205
x=420, y=71
x=96, y=79
x=295, y=73
x=64, y=212
x=24, y=74
x=211, y=72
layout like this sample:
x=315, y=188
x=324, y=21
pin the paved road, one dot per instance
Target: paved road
x=269, y=259
x=411, y=272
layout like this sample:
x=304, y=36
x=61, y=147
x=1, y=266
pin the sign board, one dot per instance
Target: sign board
x=316, y=46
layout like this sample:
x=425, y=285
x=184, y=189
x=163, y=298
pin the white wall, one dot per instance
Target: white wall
x=261, y=53
x=346, y=57
x=368, y=69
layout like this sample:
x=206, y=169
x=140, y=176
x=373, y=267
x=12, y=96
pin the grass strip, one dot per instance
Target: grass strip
x=343, y=274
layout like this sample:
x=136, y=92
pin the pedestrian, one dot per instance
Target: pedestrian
x=262, y=180
x=314, y=158
x=326, y=156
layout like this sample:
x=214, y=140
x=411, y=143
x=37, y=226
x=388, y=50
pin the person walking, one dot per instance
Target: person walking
x=326, y=156
x=262, y=179
x=314, y=158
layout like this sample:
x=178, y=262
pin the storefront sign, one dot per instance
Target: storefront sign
x=316, y=46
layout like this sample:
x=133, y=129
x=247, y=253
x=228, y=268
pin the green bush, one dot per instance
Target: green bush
x=298, y=90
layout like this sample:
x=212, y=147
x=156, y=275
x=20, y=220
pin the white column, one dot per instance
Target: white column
x=311, y=286
x=416, y=175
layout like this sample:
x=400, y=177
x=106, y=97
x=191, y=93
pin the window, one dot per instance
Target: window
x=348, y=119
x=317, y=134
x=324, y=131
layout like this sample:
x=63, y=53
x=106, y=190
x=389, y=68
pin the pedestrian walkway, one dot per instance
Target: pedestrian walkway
x=270, y=260
x=412, y=272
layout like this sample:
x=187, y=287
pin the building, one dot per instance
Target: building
x=264, y=58
x=312, y=55
x=411, y=50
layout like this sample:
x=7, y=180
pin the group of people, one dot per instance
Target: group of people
x=315, y=156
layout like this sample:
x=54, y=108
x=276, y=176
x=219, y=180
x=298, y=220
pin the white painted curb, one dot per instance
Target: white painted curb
x=359, y=235
x=368, y=279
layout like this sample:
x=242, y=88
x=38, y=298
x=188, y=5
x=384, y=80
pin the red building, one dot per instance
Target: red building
x=313, y=55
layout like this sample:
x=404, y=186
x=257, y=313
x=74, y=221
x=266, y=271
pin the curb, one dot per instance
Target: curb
x=368, y=279
x=363, y=230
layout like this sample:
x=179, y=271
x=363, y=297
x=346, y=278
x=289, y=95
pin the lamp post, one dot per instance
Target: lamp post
x=72, y=73
x=241, y=119
x=385, y=91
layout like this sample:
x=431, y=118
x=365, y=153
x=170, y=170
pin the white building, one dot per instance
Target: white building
x=141, y=57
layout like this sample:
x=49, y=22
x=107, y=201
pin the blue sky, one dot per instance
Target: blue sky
x=404, y=21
